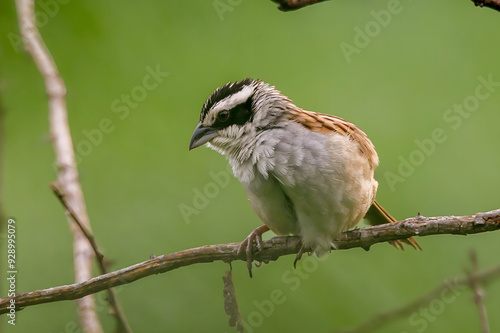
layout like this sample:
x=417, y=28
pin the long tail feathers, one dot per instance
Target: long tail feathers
x=378, y=215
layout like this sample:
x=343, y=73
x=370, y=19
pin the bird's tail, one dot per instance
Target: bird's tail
x=376, y=215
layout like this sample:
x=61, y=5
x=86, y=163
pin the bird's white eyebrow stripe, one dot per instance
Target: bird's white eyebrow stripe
x=233, y=100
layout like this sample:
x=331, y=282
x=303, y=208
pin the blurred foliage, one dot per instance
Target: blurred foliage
x=416, y=64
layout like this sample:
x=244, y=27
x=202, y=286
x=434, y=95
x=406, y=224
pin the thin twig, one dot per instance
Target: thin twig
x=63, y=147
x=115, y=308
x=272, y=250
x=452, y=285
x=475, y=285
x=87, y=233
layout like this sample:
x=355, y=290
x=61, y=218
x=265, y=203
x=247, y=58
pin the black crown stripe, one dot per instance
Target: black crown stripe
x=220, y=93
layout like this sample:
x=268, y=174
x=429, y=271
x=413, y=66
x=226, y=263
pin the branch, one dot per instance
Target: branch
x=87, y=233
x=122, y=325
x=67, y=178
x=475, y=283
x=272, y=250
x=453, y=283
x=493, y=4
x=289, y=5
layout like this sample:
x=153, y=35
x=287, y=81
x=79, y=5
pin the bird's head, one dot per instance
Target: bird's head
x=235, y=114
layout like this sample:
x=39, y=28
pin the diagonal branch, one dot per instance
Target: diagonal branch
x=452, y=284
x=272, y=250
x=122, y=325
x=67, y=178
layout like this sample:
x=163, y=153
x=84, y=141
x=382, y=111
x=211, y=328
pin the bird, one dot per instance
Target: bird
x=304, y=173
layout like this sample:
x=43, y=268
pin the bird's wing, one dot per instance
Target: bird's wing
x=325, y=123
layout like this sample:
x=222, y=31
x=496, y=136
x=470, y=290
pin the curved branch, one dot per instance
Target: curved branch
x=272, y=250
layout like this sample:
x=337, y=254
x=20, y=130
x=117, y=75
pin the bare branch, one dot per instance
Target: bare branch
x=63, y=146
x=87, y=233
x=272, y=250
x=116, y=311
x=475, y=284
x=289, y=5
x=493, y=4
x=456, y=283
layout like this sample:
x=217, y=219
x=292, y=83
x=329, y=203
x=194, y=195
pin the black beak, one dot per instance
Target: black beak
x=201, y=135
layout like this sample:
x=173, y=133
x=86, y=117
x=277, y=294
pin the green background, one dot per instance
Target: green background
x=397, y=89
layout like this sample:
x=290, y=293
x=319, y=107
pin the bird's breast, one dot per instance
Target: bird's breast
x=308, y=183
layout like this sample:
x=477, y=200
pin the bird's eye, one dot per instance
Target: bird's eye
x=223, y=115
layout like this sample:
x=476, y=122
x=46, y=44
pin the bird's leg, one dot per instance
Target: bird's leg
x=247, y=244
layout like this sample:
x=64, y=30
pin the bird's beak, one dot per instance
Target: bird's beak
x=202, y=135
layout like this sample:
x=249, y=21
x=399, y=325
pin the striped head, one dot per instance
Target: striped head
x=236, y=112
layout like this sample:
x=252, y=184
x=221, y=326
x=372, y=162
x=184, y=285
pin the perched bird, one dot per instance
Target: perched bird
x=304, y=173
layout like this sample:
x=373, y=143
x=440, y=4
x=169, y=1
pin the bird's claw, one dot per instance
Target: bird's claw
x=247, y=245
x=298, y=256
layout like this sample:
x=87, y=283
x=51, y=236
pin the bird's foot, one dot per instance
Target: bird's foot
x=247, y=245
x=300, y=253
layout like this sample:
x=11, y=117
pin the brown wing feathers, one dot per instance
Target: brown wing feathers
x=324, y=123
